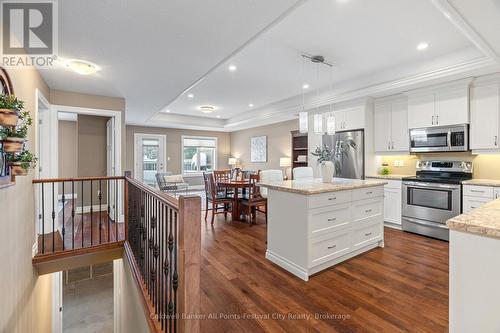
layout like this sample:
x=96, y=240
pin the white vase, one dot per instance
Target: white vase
x=327, y=170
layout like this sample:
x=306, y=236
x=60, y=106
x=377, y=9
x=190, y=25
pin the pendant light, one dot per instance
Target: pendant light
x=318, y=124
x=330, y=116
x=303, y=114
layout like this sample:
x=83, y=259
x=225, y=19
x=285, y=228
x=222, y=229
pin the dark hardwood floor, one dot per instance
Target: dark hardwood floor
x=400, y=288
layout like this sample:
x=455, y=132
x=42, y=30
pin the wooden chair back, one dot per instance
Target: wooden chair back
x=210, y=187
x=222, y=175
x=254, y=193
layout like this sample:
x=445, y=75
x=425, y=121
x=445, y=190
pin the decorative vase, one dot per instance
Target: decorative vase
x=16, y=169
x=327, y=170
x=13, y=145
x=8, y=117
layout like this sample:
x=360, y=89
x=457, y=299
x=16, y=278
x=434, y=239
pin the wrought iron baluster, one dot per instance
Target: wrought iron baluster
x=83, y=227
x=73, y=214
x=171, y=268
x=116, y=210
x=53, y=220
x=100, y=210
x=175, y=277
x=109, y=210
x=63, y=219
x=91, y=213
x=43, y=220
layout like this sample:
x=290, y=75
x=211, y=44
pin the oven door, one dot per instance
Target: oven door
x=431, y=201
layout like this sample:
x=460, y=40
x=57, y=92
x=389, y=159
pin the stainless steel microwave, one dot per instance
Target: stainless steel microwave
x=435, y=139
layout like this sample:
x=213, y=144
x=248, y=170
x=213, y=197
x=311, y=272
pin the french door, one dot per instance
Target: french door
x=149, y=157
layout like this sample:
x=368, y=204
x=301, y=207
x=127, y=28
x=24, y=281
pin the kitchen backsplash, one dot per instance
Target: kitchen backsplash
x=485, y=166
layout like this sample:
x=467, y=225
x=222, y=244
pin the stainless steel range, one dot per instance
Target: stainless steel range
x=433, y=196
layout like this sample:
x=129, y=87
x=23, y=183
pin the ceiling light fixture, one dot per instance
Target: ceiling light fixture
x=190, y=95
x=81, y=67
x=207, y=108
x=167, y=111
x=217, y=116
x=250, y=105
x=305, y=86
x=232, y=68
x=422, y=46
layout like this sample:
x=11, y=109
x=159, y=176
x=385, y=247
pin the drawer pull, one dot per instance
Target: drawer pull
x=370, y=192
x=368, y=234
x=332, y=247
x=473, y=207
x=477, y=191
x=368, y=210
x=334, y=198
x=332, y=219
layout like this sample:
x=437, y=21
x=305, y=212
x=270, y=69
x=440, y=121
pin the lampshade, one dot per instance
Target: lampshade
x=318, y=123
x=303, y=122
x=330, y=123
x=232, y=161
x=285, y=161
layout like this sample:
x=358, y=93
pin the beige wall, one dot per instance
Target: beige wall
x=279, y=140
x=485, y=166
x=68, y=147
x=174, y=145
x=25, y=301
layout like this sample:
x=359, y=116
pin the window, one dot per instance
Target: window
x=199, y=154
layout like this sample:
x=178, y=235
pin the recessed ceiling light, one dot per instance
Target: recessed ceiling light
x=305, y=86
x=250, y=105
x=232, y=68
x=81, y=67
x=217, y=116
x=167, y=111
x=207, y=108
x=422, y=46
x=190, y=95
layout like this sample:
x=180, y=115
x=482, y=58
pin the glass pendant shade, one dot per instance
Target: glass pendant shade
x=303, y=122
x=318, y=123
x=330, y=124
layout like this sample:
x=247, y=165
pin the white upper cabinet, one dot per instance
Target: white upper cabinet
x=439, y=106
x=391, y=126
x=421, y=111
x=485, y=108
x=350, y=118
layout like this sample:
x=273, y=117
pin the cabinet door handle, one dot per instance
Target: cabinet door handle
x=368, y=234
x=477, y=191
x=334, y=198
x=368, y=210
x=369, y=192
x=332, y=246
x=437, y=120
x=433, y=120
x=496, y=140
x=388, y=145
x=392, y=145
x=332, y=219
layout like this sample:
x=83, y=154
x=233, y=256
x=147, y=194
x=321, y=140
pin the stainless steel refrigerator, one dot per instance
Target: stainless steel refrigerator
x=349, y=153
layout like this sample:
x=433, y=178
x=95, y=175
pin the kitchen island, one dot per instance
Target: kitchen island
x=314, y=225
x=475, y=270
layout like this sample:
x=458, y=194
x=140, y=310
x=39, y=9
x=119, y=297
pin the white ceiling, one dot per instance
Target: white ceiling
x=152, y=55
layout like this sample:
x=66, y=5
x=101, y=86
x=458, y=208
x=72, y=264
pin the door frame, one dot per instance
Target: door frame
x=162, y=137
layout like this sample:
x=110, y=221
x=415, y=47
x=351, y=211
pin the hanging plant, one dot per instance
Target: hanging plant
x=20, y=163
x=13, y=138
x=9, y=109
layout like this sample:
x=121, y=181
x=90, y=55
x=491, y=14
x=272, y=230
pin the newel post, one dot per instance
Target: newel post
x=128, y=174
x=189, y=263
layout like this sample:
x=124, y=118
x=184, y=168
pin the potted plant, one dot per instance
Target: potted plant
x=20, y=163
x=13, y=138
x=325, y=155
x=9, y=109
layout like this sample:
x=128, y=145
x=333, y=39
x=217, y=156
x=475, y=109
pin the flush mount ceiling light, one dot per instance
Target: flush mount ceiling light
x=305, y=86
x=81, y=67
x=207, y=108
x=250, y=105
x=217, y=116
x=422, y=46
x=167, y=111
x=190, y=95
x=232, y=68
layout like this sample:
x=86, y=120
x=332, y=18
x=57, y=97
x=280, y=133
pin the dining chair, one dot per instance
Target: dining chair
x=223, y=176
x=267, y=176
x=254, y=202
x=303, y=173
x=215, y=198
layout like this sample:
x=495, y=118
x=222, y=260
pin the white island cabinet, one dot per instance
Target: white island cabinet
x=314, y=225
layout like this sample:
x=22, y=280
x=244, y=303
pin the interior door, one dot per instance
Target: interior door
x=399, y=127
x=149, y=157
x=110, y=165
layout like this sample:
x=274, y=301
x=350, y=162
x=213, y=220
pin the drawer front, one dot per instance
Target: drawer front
x=333, y=219
x=329, y=246
x=328, y=199
x=395, y=184
x=367, y=233
x=471, y=203
x=478, y=191
x=367, y=209
x=367, y=193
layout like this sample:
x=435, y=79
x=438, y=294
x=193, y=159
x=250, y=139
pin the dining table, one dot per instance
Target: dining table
x=236, y=185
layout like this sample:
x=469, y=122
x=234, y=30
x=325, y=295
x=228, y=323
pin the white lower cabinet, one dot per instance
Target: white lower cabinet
x=392, y=202
x=475, y=196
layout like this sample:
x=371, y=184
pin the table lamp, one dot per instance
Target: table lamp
x=285, y=162
x=232, y=161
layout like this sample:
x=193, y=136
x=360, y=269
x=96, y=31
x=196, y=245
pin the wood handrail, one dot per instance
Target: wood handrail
x=78, y=179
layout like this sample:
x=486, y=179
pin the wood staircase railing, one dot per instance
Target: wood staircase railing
x=160, y=237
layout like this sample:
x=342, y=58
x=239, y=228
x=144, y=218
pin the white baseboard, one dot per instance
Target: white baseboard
x=288, y=265
x=67, y=196
x=95, y=208
x=392, y=225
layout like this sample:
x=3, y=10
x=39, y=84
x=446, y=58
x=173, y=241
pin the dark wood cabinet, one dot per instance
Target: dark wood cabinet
x=299, y=148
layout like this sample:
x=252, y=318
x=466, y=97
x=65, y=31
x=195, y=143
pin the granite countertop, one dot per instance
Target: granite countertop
x=482, y=182
x=390, y=176
x=316, y=186
x=484, y=220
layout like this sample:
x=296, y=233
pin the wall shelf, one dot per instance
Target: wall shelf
x=299, y=147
